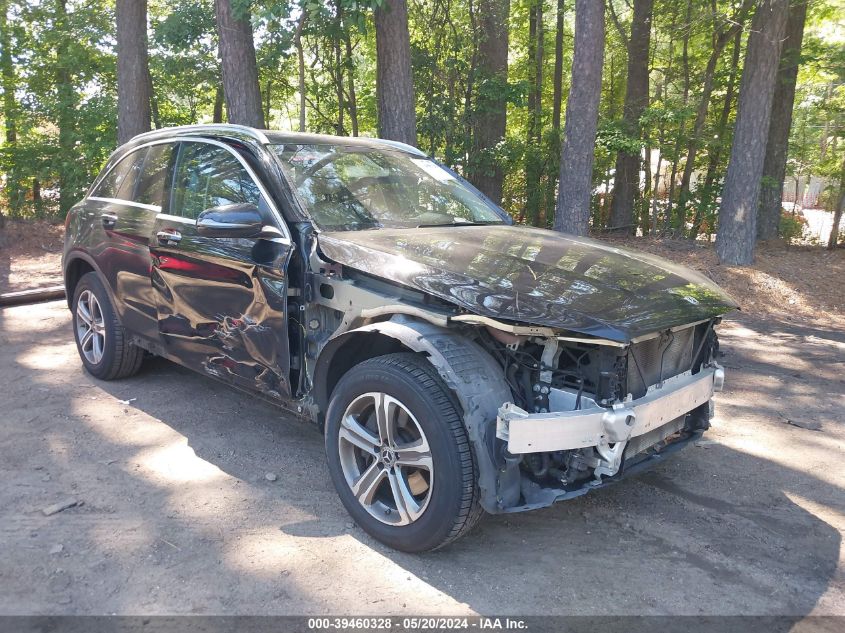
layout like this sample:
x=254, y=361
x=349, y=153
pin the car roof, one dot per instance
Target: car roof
x=252, y=135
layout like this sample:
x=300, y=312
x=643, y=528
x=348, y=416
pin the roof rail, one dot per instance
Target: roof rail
x=403, y=146
x=213, y=128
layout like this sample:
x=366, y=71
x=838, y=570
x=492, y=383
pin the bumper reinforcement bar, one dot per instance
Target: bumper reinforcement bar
x=565, y=430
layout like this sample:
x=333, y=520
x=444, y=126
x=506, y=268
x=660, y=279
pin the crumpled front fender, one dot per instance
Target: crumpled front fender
x=467, y=369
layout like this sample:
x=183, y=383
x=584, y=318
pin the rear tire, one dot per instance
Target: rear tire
x=100, y=338
x=407, y=475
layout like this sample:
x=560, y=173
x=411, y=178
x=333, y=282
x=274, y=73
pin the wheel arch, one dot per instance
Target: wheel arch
x=343, y=352
x=474, y=377
x=76, y=266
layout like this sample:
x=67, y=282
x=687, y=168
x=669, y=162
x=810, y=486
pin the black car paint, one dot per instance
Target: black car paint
x=216, y=305
x=122, y=251
x=535, y=276
x=221, y=306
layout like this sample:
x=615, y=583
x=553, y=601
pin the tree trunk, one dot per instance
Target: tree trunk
x=558, y=76
x=715, y=154
x=774, y=167
x=680, y=221
x=535, y=63
x=268, y=98
x=300, y=58
x=339, y=67
x=837, y=215
x=465, y=142
x=646, y=193
x=14, y=186
x=133, y=73
x=721, y=38
x=582, y=113
x=551, y=167
x=656, y=189
x=66, y=103
x=394, y=80
x=698, y=126
x=626, y=182
x=217, y=114
x=828, y=93
x=741, y=194
x=837, y=220
x=349, y=66
x=240, y=71
x=533, y=159
x=489, y=116
x=37, y=200
x=153, y=102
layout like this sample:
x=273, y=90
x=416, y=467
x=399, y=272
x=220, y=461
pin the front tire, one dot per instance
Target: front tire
x=100, y=338
x=399, y=456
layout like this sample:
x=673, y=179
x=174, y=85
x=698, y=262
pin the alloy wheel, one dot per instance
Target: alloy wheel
x=386, y=458
x=90, y=327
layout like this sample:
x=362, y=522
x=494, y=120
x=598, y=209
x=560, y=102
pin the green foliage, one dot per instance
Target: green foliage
x=66, y=129
x=65, y=102
x=791, y=227
x=613, y=138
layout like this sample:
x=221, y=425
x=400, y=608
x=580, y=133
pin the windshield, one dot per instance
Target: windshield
x=354, y=188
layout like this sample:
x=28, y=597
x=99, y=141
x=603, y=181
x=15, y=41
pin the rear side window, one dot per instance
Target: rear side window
x=119, y=183
x=209, y=176
x=154, y=179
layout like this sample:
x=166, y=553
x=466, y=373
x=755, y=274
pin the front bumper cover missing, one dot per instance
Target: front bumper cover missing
x=597, y=426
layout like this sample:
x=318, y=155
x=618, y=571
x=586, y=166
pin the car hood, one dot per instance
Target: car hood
x=535, y=276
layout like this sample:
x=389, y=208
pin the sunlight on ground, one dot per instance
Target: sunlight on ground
x=773, y=444
x=829, y=515
x=266, y=554
x=29, y=319
x=176, y=463
x=740, y=331
x=108, y=416
x=48, y=357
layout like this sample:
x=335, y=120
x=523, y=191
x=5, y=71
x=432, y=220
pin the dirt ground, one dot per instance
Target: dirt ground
x=175, y=514
x=795, y=284
x=30, y=255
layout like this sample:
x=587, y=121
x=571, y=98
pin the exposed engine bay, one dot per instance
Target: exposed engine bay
x=549, y=375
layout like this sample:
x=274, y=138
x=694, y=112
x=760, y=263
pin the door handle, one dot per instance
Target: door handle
x=109, y=220
x=169, y=236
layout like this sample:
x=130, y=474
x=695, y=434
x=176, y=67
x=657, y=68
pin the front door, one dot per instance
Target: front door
x=222, y=302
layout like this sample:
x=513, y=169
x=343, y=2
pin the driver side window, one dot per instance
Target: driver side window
x=209, y=176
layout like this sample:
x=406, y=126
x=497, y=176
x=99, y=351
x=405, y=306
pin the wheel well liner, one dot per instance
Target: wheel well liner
x=344, y=352
x=467, y=369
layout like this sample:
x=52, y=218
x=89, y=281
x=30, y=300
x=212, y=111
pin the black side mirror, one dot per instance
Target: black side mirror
x=230, y=220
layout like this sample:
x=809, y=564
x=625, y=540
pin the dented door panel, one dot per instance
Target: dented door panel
x=222, y=305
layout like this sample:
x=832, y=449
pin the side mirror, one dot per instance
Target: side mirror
x=231, y=220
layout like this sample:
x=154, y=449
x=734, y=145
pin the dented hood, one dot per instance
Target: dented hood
x=535, y=277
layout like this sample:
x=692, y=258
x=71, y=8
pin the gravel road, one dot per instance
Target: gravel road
x=174, y=511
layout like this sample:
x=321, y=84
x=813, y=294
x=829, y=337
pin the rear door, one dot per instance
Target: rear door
x=125, y=204
x=221, y=302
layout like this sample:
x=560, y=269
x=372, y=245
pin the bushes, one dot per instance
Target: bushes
x=791, y=227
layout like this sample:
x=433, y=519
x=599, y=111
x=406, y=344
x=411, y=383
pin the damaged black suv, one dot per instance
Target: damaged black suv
x=455, y=363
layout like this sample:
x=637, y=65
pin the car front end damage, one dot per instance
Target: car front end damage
x=551, y=414
x=574, y=364
x=587, y=411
